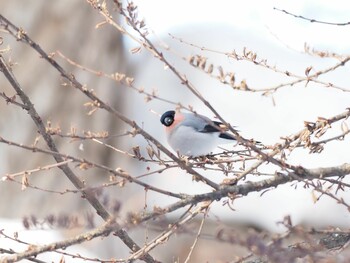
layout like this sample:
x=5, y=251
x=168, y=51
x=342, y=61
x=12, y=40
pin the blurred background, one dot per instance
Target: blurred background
x=70, y=27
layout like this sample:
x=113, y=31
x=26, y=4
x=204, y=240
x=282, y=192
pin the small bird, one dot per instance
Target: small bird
x=193, y=134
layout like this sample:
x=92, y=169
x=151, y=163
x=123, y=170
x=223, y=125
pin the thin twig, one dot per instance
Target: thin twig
x=20, y=35
x=250, y=56
x=196, y=238
x=104, y=230
x=311, y=19
x=115, y=172
x=101, y=211
x=129, y=14
x=249, y=187
x=27, y=172
x=172, y=230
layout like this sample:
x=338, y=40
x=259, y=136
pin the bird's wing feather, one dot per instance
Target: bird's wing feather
x=221, y=128
x=211, y=128
x=203, y=124
x=208, y=128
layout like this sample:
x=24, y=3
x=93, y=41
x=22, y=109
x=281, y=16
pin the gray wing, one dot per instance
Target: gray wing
x=196, y=121
x=203, y=124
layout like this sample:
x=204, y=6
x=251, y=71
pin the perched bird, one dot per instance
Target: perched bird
x=193, y=134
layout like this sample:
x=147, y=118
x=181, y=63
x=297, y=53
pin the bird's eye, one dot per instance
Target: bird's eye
x=168, y=118
x=168, y=121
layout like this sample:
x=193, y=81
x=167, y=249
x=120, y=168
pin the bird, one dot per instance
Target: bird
x=192, y=134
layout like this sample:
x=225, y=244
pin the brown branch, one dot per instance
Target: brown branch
x=15, y=31
x=12, y=100
x=311, y=19
x=101, y=211
x=116, y=172
x=10, y=251
x=130, y=15
x=28, y=172
x=171, y=230
x=20, y=35
x=109, y=226
x=249, y=187
x=78, y=85
x=228, y=78
x=118, y=77
x=197, y=236
x=338, y=137
x=297, y=174
x=48, y=139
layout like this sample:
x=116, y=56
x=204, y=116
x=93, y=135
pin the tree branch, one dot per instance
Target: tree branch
x=20, y=35
x=311, y=19
x=248, y=187
x=101, y=211
x=109, y=226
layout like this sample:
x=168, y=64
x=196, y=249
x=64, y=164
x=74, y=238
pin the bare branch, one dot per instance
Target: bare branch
x=232, y=170
x=248, y=187
x=101, y=211
x=311, y=19
x=115, y=172
x=172, y=230
x=109, y=226
x=15, y=31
